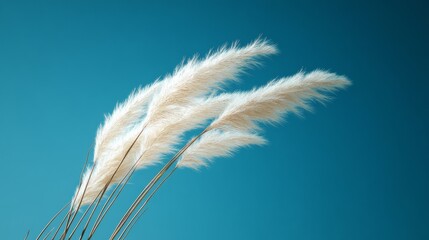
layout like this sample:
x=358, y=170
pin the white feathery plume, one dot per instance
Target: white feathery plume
x=179, y=91
x=161, y=138
x=216, y=144
x=197, y=78
x=269, y=103
x=170, y=99
x=192, y=80
x=123, y=117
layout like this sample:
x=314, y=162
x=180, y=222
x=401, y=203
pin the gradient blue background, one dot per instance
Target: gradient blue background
x=355, y=169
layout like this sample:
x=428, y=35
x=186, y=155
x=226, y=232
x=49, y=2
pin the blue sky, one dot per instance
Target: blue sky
x=353, y=169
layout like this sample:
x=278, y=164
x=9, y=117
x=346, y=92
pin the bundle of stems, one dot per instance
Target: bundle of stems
x=153, y=121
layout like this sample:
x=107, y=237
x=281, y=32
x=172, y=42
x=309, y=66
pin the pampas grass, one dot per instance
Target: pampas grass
x=114, y=152
x=153, y=121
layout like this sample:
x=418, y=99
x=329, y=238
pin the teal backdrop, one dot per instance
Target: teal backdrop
x=355, y=168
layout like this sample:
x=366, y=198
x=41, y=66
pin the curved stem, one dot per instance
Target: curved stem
x=110, y=180
x=83, y=217
x=51, y=220
x=49, y=233
x=79, y=186
x=137, y=214
x=59, y=227
x=102, y=214
x=152, y=183
x=26, y=235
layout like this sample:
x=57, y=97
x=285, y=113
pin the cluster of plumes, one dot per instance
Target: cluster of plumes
x=152, y=121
